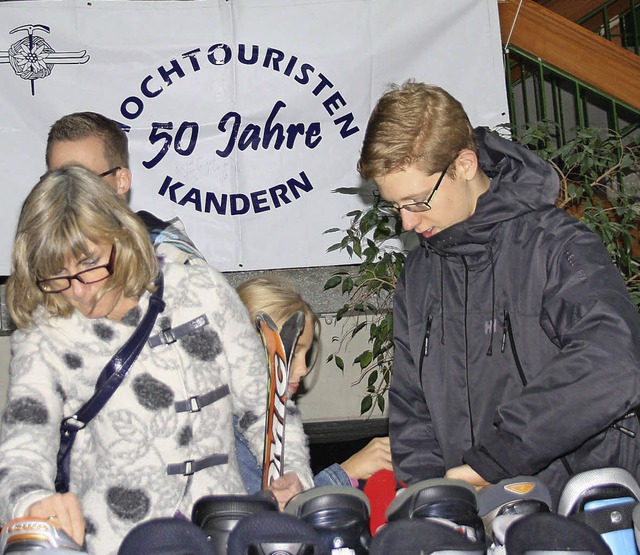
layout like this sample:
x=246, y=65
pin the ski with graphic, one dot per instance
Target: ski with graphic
x=279, y=347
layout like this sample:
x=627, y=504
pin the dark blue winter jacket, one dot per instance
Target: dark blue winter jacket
x=517, y=346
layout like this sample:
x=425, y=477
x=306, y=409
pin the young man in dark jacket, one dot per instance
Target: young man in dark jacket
x=516, y=342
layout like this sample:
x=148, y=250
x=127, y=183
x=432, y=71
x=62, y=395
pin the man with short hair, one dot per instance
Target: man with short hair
x=516, y=341
x=99, y=144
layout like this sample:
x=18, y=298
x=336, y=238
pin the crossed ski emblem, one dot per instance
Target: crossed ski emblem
x=33, y=58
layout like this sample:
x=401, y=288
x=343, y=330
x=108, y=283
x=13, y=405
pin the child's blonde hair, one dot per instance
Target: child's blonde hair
x=279, y=299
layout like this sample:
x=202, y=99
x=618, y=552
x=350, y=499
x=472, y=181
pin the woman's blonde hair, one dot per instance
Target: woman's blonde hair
x=66, y=211
x=414, y=124
x=278, y=298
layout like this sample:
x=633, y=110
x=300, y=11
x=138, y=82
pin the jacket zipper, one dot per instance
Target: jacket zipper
x=508, y=330
x=466, y=347
x=427, y=336
x=425, y=352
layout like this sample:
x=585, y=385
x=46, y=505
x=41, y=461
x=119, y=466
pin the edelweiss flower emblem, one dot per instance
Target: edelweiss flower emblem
x=33, y=58
x=29, y=58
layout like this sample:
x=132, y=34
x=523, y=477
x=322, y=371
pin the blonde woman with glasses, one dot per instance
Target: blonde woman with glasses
x=84, y=274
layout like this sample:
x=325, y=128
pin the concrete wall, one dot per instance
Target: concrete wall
x=332, y=395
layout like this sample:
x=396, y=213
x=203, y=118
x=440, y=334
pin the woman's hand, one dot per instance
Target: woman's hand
x=466, y=473
x=63, y=509
x=285, y=487
x=374, y=456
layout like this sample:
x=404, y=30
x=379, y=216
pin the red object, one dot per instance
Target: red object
x=380, y=489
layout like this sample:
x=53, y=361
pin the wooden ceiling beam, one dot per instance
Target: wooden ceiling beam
x=572, y=49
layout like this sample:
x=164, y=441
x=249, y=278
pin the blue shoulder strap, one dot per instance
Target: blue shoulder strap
x=110, y=378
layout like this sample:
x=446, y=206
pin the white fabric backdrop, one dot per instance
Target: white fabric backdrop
x=203, y=78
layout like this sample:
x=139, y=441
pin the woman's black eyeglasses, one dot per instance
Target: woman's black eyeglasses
x=92, y=275
x=109, y=172
x=422, y=206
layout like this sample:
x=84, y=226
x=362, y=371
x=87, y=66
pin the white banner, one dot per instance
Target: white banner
x=243, y=115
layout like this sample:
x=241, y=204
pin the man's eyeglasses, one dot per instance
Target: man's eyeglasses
x=109, y=172
x=92, y=275
x=422, y=206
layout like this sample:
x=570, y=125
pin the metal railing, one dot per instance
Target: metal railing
x=617, y=21
x=539, y=92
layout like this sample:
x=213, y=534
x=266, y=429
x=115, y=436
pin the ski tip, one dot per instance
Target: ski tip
x=264, y=317
x=296, y=321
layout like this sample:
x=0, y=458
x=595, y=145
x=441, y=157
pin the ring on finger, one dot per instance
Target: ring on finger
x=52, y=517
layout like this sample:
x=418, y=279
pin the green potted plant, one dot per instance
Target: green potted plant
x=599, y=174
x=374, y=239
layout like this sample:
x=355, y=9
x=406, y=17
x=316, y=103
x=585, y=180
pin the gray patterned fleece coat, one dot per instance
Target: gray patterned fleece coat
x=119, y=465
